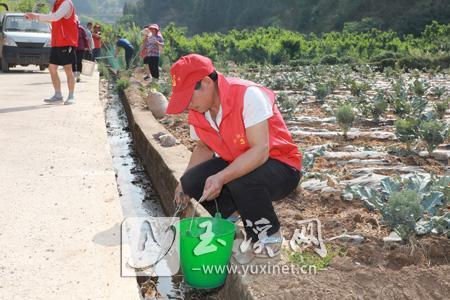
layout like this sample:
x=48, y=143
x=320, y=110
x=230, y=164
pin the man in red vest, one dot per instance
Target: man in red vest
x=64, y=44
x=244, y=158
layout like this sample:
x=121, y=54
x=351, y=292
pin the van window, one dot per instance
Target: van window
x=19, y=23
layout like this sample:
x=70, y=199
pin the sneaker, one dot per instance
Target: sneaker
x=146, y=77
x=54, y=99
x=69, y=101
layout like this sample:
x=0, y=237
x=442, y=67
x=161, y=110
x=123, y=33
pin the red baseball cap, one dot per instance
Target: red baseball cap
x=185, y=73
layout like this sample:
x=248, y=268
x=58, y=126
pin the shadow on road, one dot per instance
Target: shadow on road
x=23, y=108
x=109, y=237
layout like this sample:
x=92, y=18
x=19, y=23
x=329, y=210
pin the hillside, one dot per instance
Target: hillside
x=403, y=16
x=106, y=10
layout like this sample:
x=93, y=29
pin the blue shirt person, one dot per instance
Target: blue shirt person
x=128, y=47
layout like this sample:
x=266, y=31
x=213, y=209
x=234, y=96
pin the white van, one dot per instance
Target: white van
x=23, y=42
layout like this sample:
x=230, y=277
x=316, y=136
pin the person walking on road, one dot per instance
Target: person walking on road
x=64, y=44
x=244, y=158
x=97, y=37
x=91, y=40
x=128, y=47
x=83, y=51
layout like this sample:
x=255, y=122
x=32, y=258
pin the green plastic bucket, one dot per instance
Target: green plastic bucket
x=205, y=250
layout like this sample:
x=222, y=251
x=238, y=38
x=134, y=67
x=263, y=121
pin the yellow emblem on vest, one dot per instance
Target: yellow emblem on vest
x=174, y=80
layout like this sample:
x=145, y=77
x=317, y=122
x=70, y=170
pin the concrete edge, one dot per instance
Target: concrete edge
x=171, y=163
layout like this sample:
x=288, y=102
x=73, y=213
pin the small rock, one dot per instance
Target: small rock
x=392, y=237
x=168, y=140
x=157, y=104
x=157, y=135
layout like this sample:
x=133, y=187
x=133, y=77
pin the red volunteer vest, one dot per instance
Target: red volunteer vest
x=64, y=31
x=231, y=141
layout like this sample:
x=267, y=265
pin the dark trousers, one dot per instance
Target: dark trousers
x=153, y=65
x=128, y=56
x=251, y=195
x=96, y=52
x=78, y=66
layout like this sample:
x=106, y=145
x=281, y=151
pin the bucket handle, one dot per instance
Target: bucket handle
x=218, y=215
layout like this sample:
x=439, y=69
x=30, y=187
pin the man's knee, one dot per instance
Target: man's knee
x=189, y=183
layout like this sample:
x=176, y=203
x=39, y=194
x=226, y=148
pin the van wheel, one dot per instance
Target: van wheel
x=42, y=67
x=5, y=66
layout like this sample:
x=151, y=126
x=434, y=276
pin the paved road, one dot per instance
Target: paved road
x=59, y=208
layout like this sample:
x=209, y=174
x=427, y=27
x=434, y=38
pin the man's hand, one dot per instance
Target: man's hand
x=180, y=196
x=31, y=16
x=213, y=186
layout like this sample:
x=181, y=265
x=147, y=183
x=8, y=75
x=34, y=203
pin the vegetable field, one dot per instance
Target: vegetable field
x=375, y=172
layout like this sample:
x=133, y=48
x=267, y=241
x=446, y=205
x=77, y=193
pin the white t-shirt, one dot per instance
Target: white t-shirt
x=257, y=108
x=65, y=10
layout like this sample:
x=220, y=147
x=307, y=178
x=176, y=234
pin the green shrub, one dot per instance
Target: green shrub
x=348, y=60
x=385, y=55
x=378, y=105
x=329, y=60
x=359, y=88
x=439, y=91
x=322, y=90
x=384, y=63
x=345, y=117
x=419, y=87
x=103, y=70
x=433, y=133
x=122, y=85
x=286, y=104
x=406, y=130
x=440, y=108
x=411, y=62
x=402, y=212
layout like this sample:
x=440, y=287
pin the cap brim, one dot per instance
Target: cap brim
x=179, y=101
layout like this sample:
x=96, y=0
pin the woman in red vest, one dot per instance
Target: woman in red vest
x=64, y=44
x=244, y=158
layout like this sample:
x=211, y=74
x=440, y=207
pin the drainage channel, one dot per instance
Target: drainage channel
x=138, y=198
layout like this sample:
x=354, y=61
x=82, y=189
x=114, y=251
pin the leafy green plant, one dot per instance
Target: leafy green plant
x=103, y=70
x=402, y=202
x=402, y=212
x=440, y=108
x=309, y=259
x=322, y=90
x=359, y=88
x=433, y=133
x=378, y=105
x=122, y=85
x=439, y=91
x=286, y=104
x=406, y=131
x=345, y=117
x=419, y=87
x=308, y=159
